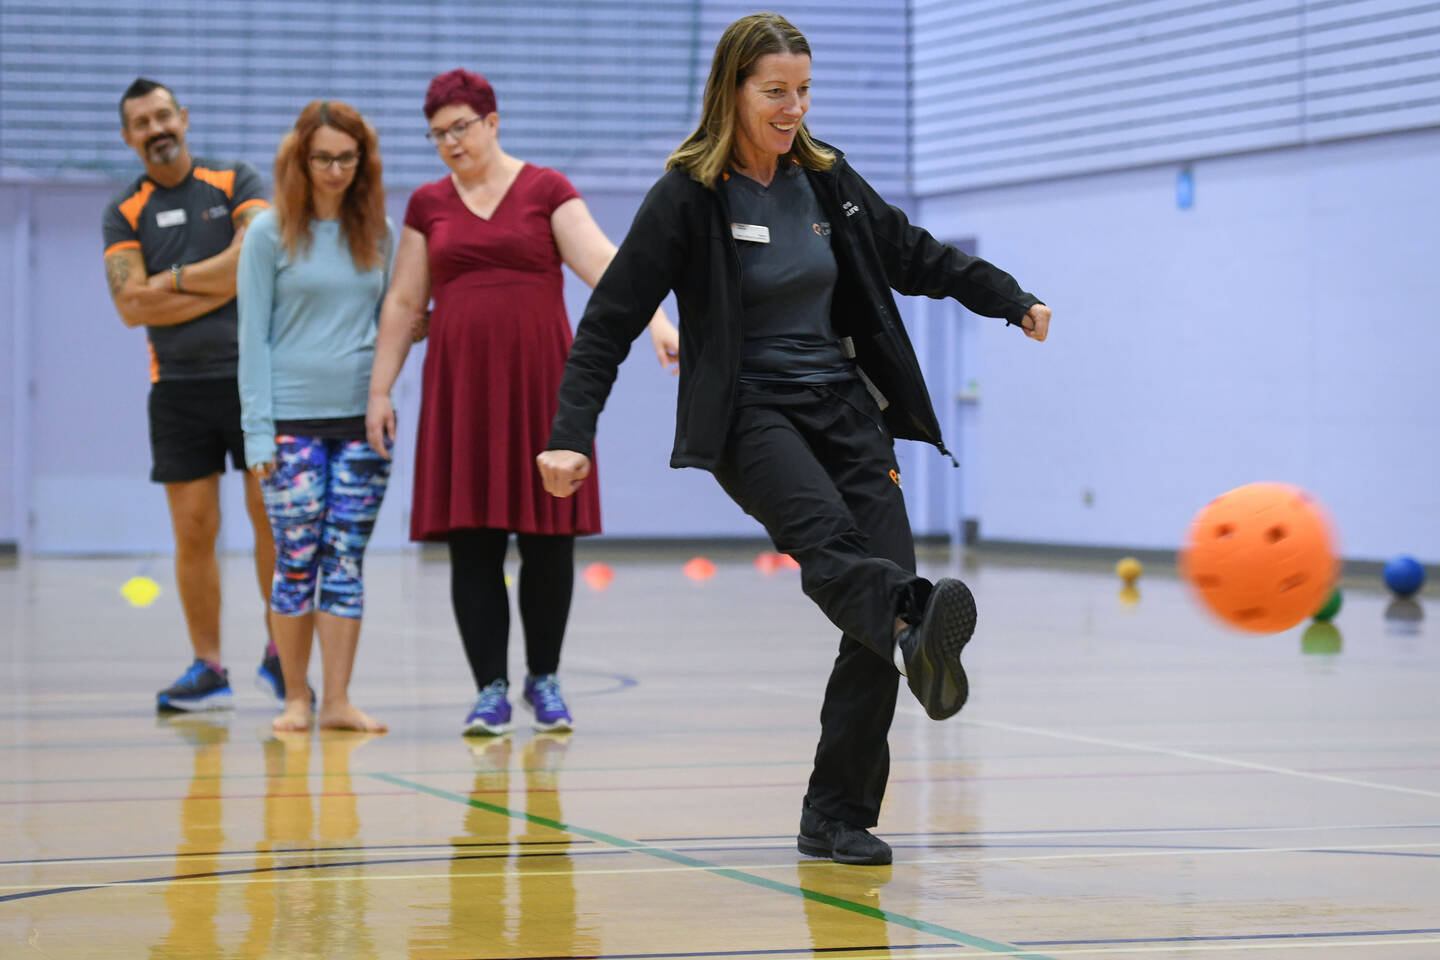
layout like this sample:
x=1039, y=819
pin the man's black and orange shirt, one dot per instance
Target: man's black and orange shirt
x=189, y=222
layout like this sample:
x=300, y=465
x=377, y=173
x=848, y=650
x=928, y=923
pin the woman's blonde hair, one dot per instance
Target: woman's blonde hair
x=711, y=147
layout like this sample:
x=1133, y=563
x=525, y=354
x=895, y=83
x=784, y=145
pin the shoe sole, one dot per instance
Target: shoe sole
x=812, y=847
x=550, y=727
x=216, y=701
x=948, y=626
x=263, y=684
x=273, y=692
x=478, y=728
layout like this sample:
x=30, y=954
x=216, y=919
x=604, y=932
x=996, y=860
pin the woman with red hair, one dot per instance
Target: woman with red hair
x=486, y=243
x=313, y=270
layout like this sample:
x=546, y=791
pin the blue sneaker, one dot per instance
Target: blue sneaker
x=491, y=714
x=199, y=688
x=271, y=680
x=542, y=695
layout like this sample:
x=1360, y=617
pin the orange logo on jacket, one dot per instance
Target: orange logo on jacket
x=895, y=475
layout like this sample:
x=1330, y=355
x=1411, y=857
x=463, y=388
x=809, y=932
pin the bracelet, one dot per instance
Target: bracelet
x=175, y=277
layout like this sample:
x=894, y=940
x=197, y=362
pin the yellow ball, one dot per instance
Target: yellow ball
x=140, y=591
x=1129, y=570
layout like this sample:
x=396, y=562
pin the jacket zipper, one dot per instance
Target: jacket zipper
x=885, y=319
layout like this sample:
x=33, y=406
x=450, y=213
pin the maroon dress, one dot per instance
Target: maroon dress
x=499, y=337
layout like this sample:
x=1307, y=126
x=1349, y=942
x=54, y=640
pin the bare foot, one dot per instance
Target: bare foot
x=347, y=716
x=295, y=718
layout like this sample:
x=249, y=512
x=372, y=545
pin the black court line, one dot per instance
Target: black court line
x=285, y=868
x=706, y=848
x=1100, y=831
x=837, y=951
x=601, y=851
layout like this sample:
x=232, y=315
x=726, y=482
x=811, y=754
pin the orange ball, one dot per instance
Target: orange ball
x=1261, y=557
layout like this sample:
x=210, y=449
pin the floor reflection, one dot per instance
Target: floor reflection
x=192, y=907
x=512, y=888
x=857, y=886
x=321, y=914
x=289, y=911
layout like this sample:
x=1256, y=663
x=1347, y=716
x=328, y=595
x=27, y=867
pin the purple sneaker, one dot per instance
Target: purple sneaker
x=542, y=694
x=491, y=714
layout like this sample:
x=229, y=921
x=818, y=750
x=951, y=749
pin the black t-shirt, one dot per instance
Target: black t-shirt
x=186, y=223
x=786, y=285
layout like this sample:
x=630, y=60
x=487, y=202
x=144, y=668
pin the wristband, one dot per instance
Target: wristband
x=175, y=277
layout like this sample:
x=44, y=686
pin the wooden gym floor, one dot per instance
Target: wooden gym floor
x=1129, y=780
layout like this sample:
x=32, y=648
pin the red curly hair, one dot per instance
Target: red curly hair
x=460, y=86
x=362, y=212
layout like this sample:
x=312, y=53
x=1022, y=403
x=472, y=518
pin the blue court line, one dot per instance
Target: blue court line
x=287, y=851
x=815, y=896
x=1238, y=936
x=1103, y=831
x=775, y=951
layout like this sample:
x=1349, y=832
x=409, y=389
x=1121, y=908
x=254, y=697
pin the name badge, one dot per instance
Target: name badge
x=749, y=231
x=170, y=218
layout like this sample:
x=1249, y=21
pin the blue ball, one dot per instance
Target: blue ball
x=1404, y=575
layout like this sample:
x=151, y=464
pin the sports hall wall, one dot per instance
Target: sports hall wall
x=1282, y=327
x=600, y=90
x=1278, y=328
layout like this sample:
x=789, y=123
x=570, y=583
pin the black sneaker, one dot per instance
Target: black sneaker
x=932, y=649
x=271, y=680
x=839, y=841
x=199, y=688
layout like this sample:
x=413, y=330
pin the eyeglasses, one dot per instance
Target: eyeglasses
x=454, y=132
x=345, y=161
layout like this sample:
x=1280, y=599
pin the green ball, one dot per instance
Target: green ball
x=1332, y=607
x=1321, y=638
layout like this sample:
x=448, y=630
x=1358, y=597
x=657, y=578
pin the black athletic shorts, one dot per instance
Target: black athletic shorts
x=193, y=423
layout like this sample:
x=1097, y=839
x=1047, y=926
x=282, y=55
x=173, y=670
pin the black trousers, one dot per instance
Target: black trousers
x=482, y=603
x=816, y=466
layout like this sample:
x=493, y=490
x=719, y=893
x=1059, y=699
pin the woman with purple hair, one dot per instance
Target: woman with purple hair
x=486, y=244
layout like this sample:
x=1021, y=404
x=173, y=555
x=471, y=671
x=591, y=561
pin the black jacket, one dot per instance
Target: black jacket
x=680, y=240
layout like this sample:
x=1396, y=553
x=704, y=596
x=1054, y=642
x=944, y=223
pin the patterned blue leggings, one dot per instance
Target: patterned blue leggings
x=322, y=500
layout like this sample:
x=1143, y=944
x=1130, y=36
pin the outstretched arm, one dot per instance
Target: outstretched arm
x=917, y=264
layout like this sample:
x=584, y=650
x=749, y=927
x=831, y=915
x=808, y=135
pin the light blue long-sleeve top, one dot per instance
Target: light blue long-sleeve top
x=307, y=328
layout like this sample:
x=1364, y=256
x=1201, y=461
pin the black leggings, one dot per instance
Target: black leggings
x=482, y=604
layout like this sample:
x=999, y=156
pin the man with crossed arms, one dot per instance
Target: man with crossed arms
x=172, y=244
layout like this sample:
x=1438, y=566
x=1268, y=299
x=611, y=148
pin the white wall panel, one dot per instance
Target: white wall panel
x=600, y=89
x=1007, y=93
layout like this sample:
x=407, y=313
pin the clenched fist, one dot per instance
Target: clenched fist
x=563, y=471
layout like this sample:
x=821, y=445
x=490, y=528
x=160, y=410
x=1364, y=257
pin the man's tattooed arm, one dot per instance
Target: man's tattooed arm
x=117, y=271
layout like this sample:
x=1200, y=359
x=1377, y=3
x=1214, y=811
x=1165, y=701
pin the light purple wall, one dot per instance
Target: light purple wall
x=88, y=458
x=1279, y=330
x=14, y=228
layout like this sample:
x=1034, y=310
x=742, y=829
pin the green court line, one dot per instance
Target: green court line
x=887, y=916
